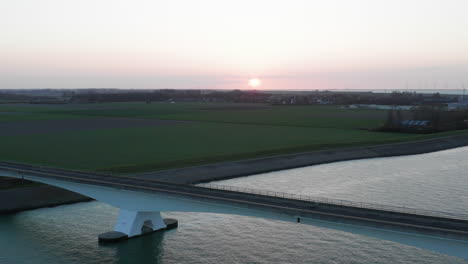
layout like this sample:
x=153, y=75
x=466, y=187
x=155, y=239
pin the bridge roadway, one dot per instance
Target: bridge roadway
x=428, y=224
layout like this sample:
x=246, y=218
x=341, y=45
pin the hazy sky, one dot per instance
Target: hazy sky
x=292, y=44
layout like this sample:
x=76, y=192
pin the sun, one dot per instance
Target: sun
x=255, y=82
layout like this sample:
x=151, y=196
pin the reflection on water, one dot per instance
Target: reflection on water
x=68, y=234
x=435, y=181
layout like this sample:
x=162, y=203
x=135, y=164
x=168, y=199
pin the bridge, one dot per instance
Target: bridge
x=141, y=200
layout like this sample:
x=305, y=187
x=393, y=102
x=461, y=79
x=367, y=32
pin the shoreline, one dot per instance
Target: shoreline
x=248, y=167
x=34, y=197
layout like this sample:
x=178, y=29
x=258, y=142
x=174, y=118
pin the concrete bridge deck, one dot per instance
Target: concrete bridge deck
x=428, y=223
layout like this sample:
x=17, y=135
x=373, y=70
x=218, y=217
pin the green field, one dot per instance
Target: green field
x=127, y=137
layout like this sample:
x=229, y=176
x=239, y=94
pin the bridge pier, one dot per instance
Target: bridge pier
x=135, y=223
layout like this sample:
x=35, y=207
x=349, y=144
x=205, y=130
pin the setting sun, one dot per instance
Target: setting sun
x=255, y=82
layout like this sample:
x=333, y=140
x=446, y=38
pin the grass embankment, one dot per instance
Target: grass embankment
x=222, y=132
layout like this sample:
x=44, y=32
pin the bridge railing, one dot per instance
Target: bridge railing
x=364, y=205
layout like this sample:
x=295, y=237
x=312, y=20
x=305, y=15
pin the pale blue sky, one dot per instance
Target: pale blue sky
x=292, y=44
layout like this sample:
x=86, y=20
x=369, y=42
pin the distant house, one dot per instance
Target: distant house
x=416, y=123
x=460, y=105
x=321, y=101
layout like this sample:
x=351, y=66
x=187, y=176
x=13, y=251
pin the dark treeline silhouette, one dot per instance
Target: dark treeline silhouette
x=174, y=95
x=328, y=97
x=11, y=96
x=7, y=97
x=237, y=96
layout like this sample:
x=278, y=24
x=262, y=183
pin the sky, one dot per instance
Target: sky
x=221, y=44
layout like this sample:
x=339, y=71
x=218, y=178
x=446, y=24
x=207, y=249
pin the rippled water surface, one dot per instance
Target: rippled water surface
x=434, y=181
x=68, y=234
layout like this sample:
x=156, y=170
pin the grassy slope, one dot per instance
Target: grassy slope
x=229, y=134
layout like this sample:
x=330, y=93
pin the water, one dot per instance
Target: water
x=434, y=181
x=68, y=234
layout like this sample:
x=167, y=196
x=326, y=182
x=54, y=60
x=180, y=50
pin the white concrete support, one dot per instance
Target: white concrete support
x=132, y=222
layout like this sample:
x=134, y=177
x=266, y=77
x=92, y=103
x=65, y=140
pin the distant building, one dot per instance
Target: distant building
x=416, y=123
x=382, y=107
x=321, y=101
x=460, y=105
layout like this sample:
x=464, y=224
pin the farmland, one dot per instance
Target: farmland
x=136, y=137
